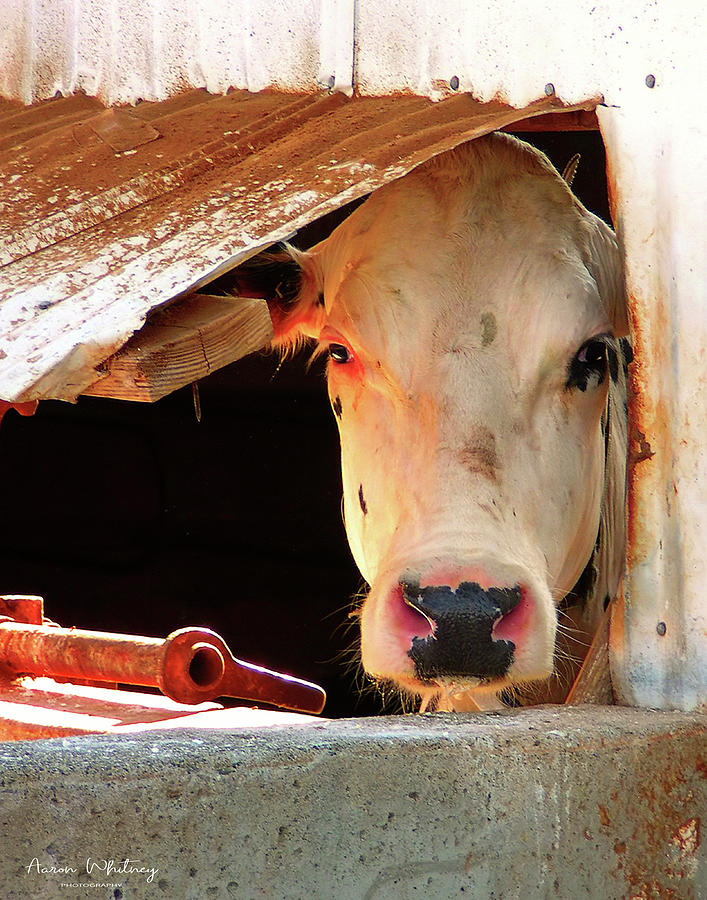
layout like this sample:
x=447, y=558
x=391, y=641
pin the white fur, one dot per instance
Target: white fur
x=464, y=290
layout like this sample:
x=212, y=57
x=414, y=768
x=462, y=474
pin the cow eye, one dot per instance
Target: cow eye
x=589, y=361
x=339, y=353
x=592, y=354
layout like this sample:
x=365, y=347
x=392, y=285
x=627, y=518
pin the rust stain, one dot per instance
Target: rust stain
x=651, y=418
x=687, y=837
x=479, y=456
x=639, y=447
x=581, y=120
x=121, y=130
x=611, y=189
x=655, y=832
x=24, y=409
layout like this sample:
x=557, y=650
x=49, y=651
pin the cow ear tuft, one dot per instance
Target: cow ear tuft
x=286, y=278
x=603, y=260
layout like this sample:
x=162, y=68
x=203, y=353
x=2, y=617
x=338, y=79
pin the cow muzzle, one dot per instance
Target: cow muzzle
x=463, y=642
x=458, y=625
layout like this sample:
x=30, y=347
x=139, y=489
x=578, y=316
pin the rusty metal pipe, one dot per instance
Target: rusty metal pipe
x=189, y=666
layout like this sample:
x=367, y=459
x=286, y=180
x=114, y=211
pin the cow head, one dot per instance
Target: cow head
x=470, y=312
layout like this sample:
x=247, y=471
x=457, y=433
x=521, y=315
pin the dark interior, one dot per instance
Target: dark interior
x=136, y=518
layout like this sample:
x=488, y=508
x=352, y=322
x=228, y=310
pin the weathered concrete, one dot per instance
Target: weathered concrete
x=545, y=802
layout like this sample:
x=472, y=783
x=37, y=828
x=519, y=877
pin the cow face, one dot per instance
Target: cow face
x=470, y=313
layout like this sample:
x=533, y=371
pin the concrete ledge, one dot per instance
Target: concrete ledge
x=545, y=802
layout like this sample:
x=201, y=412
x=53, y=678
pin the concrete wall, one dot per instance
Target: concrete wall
x=545, y=802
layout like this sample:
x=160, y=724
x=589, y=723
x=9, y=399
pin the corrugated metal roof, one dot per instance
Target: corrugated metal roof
x=108, y=213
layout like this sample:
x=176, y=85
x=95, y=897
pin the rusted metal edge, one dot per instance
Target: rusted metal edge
x=67, y=306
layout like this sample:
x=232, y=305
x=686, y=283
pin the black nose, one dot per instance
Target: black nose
x=462, y=644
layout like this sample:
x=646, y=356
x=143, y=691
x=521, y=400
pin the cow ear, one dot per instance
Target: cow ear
x=288, y=280
x=603, y=260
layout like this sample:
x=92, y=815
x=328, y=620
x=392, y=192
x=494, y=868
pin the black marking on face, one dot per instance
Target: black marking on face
x=510, y=698
x=478, y=454
x=337, y=407
x=489, y=329
x=362, y=500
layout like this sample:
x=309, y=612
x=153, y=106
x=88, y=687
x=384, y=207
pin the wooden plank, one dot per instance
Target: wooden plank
x=593, y=683
x=181, y=344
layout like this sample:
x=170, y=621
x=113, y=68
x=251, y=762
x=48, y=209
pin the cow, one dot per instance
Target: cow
x=474, y=317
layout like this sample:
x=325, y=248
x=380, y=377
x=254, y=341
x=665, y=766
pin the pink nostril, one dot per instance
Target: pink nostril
x=407, y=621
x=514, y=624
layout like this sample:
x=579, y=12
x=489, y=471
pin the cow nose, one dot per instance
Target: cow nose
x=462, y=643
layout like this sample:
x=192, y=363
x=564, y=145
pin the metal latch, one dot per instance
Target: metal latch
x=191, y=665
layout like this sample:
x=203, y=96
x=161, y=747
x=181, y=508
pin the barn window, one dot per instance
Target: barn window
x=152, y=520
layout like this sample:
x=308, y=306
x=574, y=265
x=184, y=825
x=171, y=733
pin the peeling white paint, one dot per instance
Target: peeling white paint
x=147, y=49
x=515, y=52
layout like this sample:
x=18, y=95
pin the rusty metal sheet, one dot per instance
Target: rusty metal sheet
x=92, y=239
x=659, y=629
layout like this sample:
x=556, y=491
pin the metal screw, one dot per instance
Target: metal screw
x=454, y=82
x=661, y=628
x=44, y=304
x=549, y=89
x=650, y=81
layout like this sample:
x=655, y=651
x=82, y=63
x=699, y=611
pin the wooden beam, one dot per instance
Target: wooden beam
x=183, y=343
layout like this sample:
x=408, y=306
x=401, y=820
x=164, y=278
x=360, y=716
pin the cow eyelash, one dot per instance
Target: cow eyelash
x=591, y=359
x=340, y=353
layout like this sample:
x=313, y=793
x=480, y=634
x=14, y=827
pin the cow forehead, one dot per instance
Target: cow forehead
x=526, y=292
x=530, y=305
x=487, y=237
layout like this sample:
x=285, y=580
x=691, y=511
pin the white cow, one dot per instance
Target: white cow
x=471, y=312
